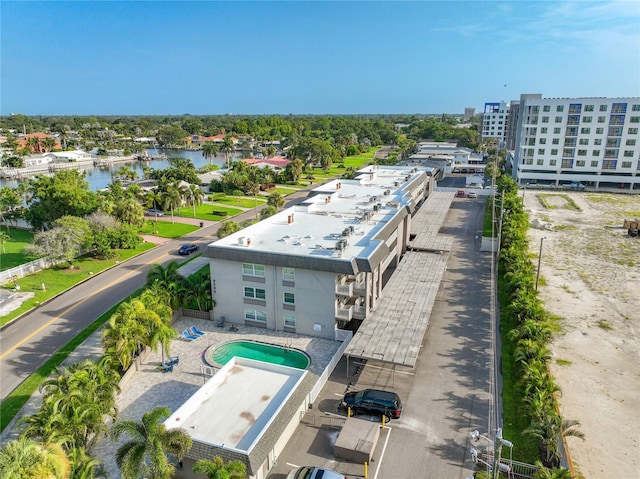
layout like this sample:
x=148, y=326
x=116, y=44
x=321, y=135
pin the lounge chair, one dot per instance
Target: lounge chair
x=220, y=322
x=167, y=368
x=188, y=336
x=173, y=361
x=193, y=330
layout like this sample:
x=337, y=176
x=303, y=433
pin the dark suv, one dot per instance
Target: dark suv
x=374, y=402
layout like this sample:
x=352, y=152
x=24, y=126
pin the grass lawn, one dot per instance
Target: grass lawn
x=58, y=279
x=207, y=211
x=283, y=191
x=241, y=201
x=13, y=250
x=166, y=229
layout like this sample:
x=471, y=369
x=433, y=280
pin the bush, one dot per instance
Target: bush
x=217, y=196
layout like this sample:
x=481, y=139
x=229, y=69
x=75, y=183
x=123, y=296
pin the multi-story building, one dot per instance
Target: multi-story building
x=469, y=113
x=314, y=267
x=494, y=123
x=589, y=141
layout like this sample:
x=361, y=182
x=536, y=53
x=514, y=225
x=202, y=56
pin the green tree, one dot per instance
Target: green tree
x=145, y=453
x=171, y=199
x=218, y=469
x=267, y=211
x=210, y=150
x=227, y=228
x=227, y=147
x=26, y=458
x=66, y=193
x=64, y=241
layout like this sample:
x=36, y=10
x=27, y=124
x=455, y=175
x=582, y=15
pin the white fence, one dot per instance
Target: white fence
x=25, y=269
x=346, y=337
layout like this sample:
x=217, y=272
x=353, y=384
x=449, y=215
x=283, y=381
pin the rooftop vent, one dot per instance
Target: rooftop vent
x=346, y=232
x=387, y=192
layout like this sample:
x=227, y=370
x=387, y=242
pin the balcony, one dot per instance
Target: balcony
x=359, y=312
x=344, y=312
x=345, y=289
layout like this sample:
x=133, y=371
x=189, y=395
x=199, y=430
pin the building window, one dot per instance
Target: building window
x=595, y=153
x=588, y=108
x=599, y=131
x=558, y=119
x=594, y=164
x=249, y=269
x=528, y=161
x=540, y=151
x=614, y=131
x=613, y=142
x=633, y=131
x=543, y=130
x=568, y=153
x=289, y=298
x=633, y=119
x=560, y=108
x=585, y=131
x=289, y=321
x=584, y=141
x=580, y=162
x=609, y=164
x=543, y=141
x=582, y=153
x=552, y=162
x=554, y=151
x=254, y=293
x=602, y=119
x=567, y=163
x=545, y=119
x=619, y=119
x=575, y=108
x=611, y=153
x=626, y=164
x=539, y=161
x=619, y=108
x=569, y=142
x=630, y=142
x=288, y=274
x=546, y=108
x=603, y=108
x=531, y=142
x=255, y=315
x=555, y=141
x=635, y=108
x=628, y=153
x=597, y=141
x=556, y=131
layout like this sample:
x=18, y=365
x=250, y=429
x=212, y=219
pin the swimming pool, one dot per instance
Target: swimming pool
x=268, y=353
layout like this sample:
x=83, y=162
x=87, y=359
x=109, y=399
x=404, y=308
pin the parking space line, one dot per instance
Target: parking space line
x=384, y=448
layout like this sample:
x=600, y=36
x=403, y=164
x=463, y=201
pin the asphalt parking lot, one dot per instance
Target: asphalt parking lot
x=445, y=396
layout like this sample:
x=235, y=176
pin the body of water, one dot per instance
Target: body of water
x=99, y=178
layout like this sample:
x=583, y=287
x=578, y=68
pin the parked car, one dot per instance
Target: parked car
x=374, y=402
x=187, y=249
x=472, y=194
x=461, y=193
x=154, y=212
x=311, y=472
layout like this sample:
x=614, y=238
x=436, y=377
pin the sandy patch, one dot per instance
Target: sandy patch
x=590, y=277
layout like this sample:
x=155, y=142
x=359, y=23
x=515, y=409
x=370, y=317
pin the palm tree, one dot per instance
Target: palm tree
x=153, y=199
x=217, y=469
x=4, y=237
x=276, y=200
x=195, y=197
x=150, y=442
x=124, y=335
x=165, y=274
x=210, y=150
x=254, y=188
x=227, y=147
x=25, y=457
x=171, y=199
x=555, y=473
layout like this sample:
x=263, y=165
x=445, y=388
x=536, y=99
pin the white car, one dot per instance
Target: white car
x=472, y=194
x=311, y=472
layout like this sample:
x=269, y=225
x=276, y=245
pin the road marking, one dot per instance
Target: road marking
x=292, y=465
x=379, y=463
x=71, y=308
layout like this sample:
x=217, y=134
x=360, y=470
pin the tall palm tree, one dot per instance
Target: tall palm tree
x=227, y=147
x=210, y=150
x=25, y=458
x=171, y=199
x=146, y=451
x=153, y=199
x=555, y=473
x=217, y=469
x=165, y=274
x=254, y=188
x=195, y=197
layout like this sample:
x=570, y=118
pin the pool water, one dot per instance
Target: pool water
x=260, y=352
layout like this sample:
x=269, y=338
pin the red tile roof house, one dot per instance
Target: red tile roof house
x=41, y=148
x=277, y=162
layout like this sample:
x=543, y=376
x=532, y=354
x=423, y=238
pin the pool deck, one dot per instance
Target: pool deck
x=150, y=387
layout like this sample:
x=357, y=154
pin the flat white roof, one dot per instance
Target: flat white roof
x=234, y=408
x=314, y=228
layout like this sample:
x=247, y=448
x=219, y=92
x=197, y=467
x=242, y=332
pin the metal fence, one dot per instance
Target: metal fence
x=26, y=269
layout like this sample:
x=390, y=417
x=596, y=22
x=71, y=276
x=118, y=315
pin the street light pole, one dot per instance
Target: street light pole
x=539, y=261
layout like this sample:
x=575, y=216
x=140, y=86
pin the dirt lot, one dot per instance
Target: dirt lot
x=590, y=277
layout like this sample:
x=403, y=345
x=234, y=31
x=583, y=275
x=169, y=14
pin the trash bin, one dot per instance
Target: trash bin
x=201, y=224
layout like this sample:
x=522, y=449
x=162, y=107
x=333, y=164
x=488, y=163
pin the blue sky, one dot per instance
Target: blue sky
x=161, y=57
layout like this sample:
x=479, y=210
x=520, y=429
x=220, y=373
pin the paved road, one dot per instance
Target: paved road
x=28, y=342
x=445, y=397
